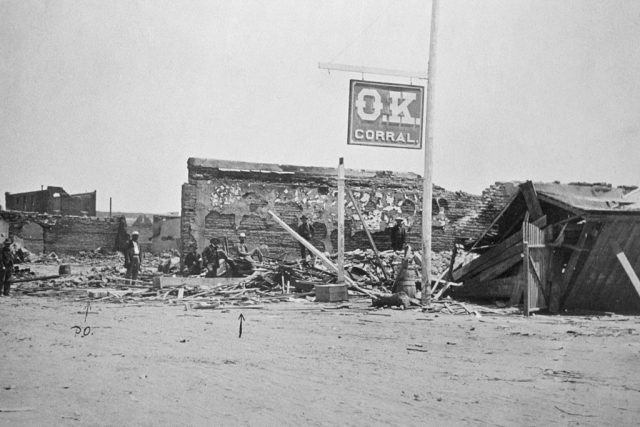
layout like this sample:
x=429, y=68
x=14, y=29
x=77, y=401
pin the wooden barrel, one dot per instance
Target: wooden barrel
x=64, y=269
x=408, y=282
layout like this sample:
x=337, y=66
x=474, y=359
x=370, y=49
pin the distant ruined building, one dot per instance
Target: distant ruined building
x=52, y=200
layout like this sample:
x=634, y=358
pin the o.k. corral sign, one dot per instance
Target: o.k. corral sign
x=385, y=114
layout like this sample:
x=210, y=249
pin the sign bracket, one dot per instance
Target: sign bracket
x=330, y=66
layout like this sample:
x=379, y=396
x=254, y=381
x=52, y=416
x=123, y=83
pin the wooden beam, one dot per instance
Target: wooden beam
x=495, y=220
x=370, y=70
x=304, y=242
x=495, y=288
x=502, y=266
x=573, y=247
x=470, y=267
x=557, y=298
x=628, y=268
x=526, y=272
x=366, y=230
x=536, y=276
x=518, y=289
x=316, y=252
x=340, y=206
x=598, y=268
x=531, y=199
x=427, y=180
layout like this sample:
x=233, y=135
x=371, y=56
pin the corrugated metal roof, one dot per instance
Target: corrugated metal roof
x=590, y=197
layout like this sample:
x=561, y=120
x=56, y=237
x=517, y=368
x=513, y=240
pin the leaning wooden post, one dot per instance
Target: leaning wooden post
x=427, y=191
x=316, y=252
x=304, y=242
x=341, y=221
x=366, y=230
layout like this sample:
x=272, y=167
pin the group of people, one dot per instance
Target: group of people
x=242, y=262
x=194, y=263
x=213, y=257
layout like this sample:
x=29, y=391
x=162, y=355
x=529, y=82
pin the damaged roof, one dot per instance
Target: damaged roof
x=561, y=202
x=589, y=198
x=271, y=168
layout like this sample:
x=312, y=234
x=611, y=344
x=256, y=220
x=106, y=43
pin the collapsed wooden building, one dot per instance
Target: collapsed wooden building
x=559, y=247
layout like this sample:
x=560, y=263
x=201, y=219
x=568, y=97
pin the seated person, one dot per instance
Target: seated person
x=243, y=250
x=192, y=262
x=211, y=257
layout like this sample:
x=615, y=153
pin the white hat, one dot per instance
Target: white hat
x=135, y=233
x=243, y=235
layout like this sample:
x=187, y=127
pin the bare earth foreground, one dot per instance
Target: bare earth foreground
x=302, y=364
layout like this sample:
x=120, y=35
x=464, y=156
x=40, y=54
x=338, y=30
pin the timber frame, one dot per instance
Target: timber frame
x=558, y=247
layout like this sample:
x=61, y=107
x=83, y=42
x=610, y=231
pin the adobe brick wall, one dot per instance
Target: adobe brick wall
x=223, y=199
x=166, y=234
x=64, y=234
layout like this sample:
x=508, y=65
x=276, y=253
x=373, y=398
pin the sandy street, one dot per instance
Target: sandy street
x=300, y=364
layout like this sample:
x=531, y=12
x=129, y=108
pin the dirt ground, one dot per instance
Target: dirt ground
x=303, y=363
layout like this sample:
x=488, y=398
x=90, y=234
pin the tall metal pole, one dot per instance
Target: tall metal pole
x=427, y=190
x=109, y=207
x=341, y=221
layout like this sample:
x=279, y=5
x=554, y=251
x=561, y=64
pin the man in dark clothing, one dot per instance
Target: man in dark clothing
x=6, y=267
x=398, y=235
x=306, y=231
x=211, y=257
x=193, y=262
x=133, y=257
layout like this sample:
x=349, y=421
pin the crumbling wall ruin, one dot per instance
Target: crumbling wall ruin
x=166, y=233
x=223, y=199
x=42, y=233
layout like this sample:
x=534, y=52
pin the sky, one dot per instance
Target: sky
x=116, y=96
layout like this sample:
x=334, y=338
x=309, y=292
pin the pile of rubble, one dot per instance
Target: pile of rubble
x=101, y=277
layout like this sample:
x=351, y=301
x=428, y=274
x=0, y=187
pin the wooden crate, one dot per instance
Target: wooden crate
x=331, y=293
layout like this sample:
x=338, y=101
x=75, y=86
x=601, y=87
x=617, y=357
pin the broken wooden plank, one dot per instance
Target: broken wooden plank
x=518, y=290
x=495, y=288
x=316, y=252
x=557, y=301
x=561, y=279
x=526, y=273
x=537, y=278
x=469, y=268
x=495, y=220
x=32, y=279
x=628, y=268
x=501, y=264
x=366, y=230
x=160, y=282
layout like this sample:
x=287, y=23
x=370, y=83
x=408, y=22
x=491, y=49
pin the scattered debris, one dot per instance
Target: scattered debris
x=101, y=276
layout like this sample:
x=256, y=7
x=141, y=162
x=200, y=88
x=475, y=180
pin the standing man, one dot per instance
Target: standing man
x=211, y=257
x=398, y=235
x=306, y=231
x=133, y=257
x=6, y=267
